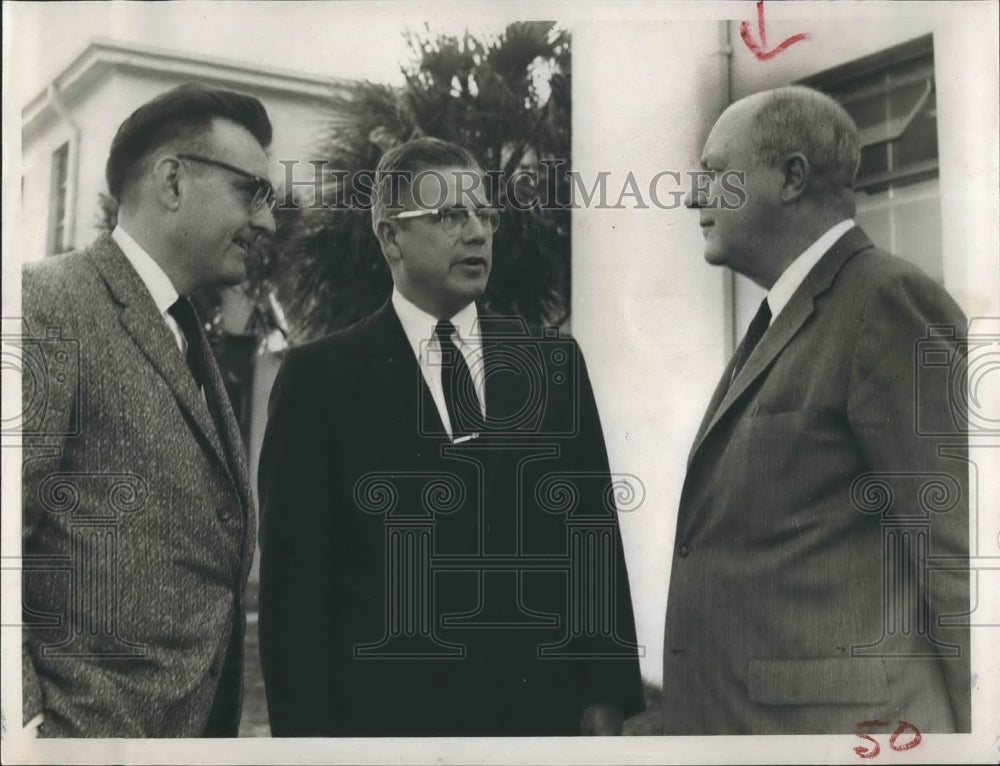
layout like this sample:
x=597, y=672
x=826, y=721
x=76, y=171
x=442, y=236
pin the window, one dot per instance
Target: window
x=891, y=97
x=57, y=200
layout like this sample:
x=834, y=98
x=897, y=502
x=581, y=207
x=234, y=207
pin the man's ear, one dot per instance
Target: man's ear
x=796, y=177
x=386, y=233
x=166, y=181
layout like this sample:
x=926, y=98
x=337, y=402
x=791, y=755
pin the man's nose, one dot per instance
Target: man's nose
x=263, y=220
x=475, y=228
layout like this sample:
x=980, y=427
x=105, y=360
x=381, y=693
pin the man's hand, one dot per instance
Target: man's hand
x=649, y=723
x=32, y=728
x=601, y=721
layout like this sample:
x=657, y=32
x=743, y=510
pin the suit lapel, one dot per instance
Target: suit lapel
x=780, y=333
x=398, y=370
x=142, y=321
x=717, y=396
x=501, y=400
x=216, y=388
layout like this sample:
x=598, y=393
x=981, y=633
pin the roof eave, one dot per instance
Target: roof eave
x=101, y=56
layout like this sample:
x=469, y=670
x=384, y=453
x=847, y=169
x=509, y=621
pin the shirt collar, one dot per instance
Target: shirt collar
x=153, y=277
x=419, y=325
x=793, y=276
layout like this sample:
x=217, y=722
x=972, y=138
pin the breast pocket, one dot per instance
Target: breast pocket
x=796, y=422
x=783, y=442
x=784, y=466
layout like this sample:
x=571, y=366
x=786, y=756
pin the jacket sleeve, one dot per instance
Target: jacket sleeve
x=297, y=509
x=906, y=409
x=612, y=674
x=50, y=384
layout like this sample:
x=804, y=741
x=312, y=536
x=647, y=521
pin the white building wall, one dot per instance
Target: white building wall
x=648, y=311
x=837, y=36
x=36, y=171
x=98, y=116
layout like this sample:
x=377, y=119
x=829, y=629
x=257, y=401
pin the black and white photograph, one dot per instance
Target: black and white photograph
x=447, y=382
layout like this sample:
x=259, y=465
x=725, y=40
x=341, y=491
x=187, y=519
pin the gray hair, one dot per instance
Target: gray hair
x=799, y=119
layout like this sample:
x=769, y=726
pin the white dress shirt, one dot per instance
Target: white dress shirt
x=154, y=278
x=782, y=290
x=419, y=328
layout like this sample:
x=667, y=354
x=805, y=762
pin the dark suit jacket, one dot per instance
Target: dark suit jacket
x=138, y=533
x=393, y=562
x=801, y=595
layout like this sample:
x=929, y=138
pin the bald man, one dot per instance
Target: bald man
x=808, y=592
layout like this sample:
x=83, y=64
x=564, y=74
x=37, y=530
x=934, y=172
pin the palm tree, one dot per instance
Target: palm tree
x=508, y=102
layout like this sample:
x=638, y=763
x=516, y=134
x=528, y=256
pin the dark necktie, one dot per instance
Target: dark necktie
x=754, y=333
x=460, y=398
x=183, y=313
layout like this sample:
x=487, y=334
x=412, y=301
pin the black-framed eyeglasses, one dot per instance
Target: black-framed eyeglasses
x=263, y=192
x=454, y=219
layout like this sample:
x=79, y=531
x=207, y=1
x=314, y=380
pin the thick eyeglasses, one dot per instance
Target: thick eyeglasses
x=263, y=192
x=454, y=219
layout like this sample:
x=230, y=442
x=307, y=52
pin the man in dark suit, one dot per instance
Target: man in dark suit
x=138, y=515
x=440, y=551
x=817, y=579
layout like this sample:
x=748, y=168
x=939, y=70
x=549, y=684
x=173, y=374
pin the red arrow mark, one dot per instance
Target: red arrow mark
x=760, y=49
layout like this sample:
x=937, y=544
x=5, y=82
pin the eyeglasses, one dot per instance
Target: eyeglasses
x=263, y=192
x=454, y=219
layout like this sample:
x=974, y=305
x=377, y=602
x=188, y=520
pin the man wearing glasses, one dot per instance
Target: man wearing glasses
x=419, y=574
x=138, y=514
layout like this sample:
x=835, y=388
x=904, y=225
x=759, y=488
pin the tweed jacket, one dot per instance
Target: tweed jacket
x=138, y=519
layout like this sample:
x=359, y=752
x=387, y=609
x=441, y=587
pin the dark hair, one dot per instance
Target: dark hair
x=405, y=160
x=184, y=112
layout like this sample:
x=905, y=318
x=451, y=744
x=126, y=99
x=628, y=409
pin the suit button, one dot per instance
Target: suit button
x=684, y=550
